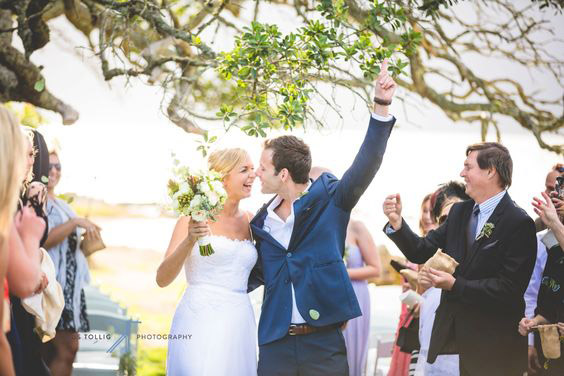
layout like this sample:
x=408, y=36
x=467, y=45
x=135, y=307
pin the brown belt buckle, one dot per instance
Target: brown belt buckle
x=291, y=331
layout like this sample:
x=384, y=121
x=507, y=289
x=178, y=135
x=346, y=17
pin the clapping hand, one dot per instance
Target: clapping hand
x=87, y=225
x=546, y=210
x=29, y=226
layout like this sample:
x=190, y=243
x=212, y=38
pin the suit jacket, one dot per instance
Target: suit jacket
x=479, y=317
x=313, y=262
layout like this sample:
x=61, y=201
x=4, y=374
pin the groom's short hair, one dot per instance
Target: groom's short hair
x=293, y=154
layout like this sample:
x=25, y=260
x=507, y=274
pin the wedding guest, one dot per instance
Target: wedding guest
x=25, y=277
x=493, y=240
x=403, y=364
x=531, y=294
x=63, y=245
x=447, y=195
x=550, y=186
x=12, y=157
x=550, y=302
x=363, y=263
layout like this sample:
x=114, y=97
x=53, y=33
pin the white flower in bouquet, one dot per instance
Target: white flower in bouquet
x=217, y=186
x=204, y=187
x=199, y=215
x=213, y=198
x=200, y=196
x=196, y=201
x=184, y=188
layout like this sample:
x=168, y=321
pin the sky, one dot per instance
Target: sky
x=120, y=149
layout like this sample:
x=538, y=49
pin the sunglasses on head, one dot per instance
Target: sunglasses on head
x=57, y=166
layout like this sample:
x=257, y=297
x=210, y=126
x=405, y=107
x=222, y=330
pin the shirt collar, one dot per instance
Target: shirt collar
x=491, y=203
x=277, y=200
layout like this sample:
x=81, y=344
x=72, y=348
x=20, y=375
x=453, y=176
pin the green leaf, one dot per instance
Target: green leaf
x=39, y=85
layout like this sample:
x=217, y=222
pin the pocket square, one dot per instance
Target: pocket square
x=490, y=245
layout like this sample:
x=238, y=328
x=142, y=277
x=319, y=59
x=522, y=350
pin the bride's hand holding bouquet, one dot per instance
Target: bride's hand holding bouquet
x=200, y=196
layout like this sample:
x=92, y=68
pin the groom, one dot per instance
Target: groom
x=300, y=236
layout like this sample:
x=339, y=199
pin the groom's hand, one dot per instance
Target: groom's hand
x=384, y=88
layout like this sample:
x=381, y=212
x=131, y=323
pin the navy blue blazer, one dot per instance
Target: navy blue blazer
x=313, y=262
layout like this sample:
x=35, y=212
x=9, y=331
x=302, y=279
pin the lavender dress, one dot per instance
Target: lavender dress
x=358, y=329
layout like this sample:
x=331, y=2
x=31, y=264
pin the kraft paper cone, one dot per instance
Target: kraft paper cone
x=411, y=276
x=443, y=262
x=550, y=341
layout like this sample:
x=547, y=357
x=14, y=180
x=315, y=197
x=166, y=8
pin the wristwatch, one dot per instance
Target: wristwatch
x=382, y=101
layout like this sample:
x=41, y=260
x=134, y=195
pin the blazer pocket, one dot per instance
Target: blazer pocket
x=490, y=245
x=327, y=263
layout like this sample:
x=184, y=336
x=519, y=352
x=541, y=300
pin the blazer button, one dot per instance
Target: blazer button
x=287, y=281
x=289, y=254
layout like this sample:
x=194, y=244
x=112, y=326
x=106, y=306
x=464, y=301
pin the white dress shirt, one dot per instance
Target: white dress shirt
x=486, y=209
x=281, y=231
x=532, y=291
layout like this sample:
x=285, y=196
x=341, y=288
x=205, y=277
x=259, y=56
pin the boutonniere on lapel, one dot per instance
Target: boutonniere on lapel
x=486, y=231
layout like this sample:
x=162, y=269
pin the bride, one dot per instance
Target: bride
x=213, y=331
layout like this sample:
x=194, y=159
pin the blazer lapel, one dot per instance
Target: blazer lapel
x=302, y=210
x=494, y=219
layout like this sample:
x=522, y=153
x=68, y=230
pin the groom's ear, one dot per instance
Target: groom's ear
x=284, y=174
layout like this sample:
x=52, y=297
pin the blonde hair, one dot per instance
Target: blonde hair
x=224, y=161
x=28, y=135
x=12, y=166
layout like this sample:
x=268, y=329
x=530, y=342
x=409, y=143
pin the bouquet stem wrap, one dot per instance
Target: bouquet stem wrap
x=205, y=246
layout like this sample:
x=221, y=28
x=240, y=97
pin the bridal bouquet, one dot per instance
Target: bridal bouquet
x=198, y=195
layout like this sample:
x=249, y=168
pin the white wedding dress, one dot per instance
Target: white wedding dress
x=214, y=323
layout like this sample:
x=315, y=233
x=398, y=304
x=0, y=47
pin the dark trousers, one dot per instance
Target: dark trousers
x=24, y=342
x=317, y=354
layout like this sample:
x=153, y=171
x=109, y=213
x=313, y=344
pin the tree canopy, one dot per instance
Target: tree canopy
x=268, y=77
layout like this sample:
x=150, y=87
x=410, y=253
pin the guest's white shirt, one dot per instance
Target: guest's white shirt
x=281, y=231
x=444, y=365
x=532, y=291
x=486, y=210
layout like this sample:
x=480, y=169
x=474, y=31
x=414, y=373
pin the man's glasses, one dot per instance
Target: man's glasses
x=57, y=166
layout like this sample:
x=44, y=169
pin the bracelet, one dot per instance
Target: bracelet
x=382, y=101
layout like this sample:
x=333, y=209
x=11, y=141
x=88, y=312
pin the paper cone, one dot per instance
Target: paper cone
x=443, y=262
x=550, y=341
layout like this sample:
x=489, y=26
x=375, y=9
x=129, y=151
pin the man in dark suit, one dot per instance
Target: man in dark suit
x=494, y=242
x=300, y=238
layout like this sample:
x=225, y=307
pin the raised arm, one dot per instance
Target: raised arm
x=369, y=158
x=184, y=236
x=417, y=249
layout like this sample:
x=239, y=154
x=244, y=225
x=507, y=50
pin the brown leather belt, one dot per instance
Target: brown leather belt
x=302, y=329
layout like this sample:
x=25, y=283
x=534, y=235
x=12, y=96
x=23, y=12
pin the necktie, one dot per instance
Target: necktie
x=472, y=224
